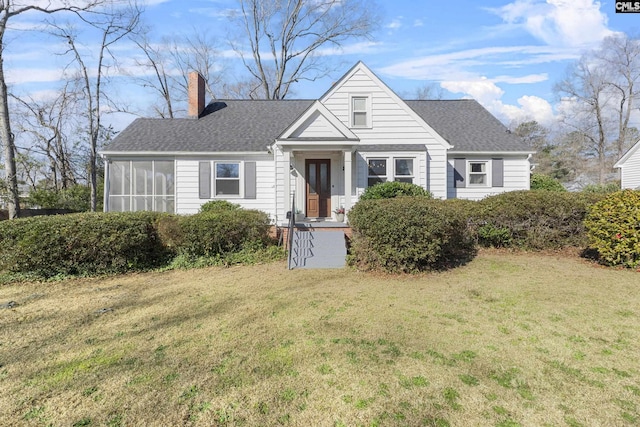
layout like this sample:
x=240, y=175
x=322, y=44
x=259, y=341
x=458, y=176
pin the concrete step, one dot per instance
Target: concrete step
x=318, y=249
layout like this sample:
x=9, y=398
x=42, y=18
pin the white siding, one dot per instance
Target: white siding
x=630, y=172
x=188, y=200
x=516, y=177
x=317, y=126
x=392, y=122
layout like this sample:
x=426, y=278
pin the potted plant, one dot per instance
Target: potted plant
x=339, y=214
x=299, y=215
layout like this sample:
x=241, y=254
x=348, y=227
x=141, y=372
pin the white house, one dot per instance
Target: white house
x=326, y=152
x=629, y=166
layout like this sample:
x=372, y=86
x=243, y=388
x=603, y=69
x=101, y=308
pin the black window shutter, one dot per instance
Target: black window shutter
x=497, y=172
x=250, y=180
x=459, y=173
x=204, y=179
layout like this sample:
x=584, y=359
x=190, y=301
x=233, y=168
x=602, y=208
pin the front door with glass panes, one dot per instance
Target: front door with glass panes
x=318, y=173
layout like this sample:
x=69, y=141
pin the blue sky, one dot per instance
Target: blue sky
x=505, y=54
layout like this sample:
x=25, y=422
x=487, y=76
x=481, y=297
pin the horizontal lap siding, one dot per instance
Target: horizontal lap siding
x=391, y=124
x=516, y=177
x=187, y=195
x=631, y=171
x=437, y=158
x=316, y=127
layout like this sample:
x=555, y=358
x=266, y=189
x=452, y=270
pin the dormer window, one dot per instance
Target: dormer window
x=360, y=111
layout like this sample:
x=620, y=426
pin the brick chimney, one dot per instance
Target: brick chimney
x=196, y=94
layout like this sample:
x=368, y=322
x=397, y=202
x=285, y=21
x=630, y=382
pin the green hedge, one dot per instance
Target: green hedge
x=391, y=189
x=219, y=205
x=533, y=219
x=81, y=244
x=614, y=229
x=409, y=234
x=215, y=232
x=546, y=182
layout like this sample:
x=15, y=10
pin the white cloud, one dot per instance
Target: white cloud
x=460, y=65
x=33, y=75
x=489, y=95
x=528, y=79
x=574, y=23
x=214, y=12
x=418, y=23
x=395, y=23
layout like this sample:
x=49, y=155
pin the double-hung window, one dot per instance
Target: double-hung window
x=360, y=114
x=403, y=170
x=223, y=179
x=478, y=175
x=377, y=171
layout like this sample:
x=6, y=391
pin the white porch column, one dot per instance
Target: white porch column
x=286, y=170
x=348, y=178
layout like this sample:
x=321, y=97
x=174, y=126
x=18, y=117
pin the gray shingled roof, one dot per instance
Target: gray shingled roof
x=468, y=126
x=252, y=125
x=225, y=126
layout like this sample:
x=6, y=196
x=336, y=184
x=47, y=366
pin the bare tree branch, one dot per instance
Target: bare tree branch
x=285, y=37
x=8, y=10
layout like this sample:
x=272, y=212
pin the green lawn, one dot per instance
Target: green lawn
x=508, y=340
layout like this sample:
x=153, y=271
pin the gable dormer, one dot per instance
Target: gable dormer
x=318, y=123
x=368, y=107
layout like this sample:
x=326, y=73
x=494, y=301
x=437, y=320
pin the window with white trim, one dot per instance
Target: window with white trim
x=403, y=171
x=360, y=115
x=478, y=175
x=377, y=171
x=141, y=186
x=226, y=179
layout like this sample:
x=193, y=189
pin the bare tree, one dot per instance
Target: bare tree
x=285, y=38
x=168, y=63
x=49, y=124
x=156, y=62
x=601, y=89
x=112, y=26
x=430, y=91
x=9, y=9
x=621, y=56
x=586, y=88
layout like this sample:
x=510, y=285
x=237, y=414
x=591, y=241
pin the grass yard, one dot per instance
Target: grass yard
x=507, y=340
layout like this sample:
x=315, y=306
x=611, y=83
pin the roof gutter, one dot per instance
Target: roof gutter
x=492, y=153
x=105, y=154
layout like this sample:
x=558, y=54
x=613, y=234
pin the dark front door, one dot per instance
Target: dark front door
x=318, y=188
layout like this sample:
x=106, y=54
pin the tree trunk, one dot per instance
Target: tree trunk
x=11, y=178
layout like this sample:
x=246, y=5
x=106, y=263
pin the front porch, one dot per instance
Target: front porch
x=322, y=182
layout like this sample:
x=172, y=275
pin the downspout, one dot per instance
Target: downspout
x=275, y=182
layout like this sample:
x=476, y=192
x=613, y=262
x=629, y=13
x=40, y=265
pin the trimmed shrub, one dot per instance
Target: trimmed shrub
x=214, y=233
x=81, y=244
x=609, y=188
x=218, y=206
x=409, y=234
x=533, y=219
x=391, y=189
x=613, y=226
x=545, y=182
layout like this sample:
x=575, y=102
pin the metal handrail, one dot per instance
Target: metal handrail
x=292, y=223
